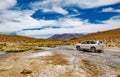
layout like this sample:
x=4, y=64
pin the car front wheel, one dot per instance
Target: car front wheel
x=78, y=48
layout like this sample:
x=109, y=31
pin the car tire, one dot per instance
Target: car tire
x=100, y=51
x=93, y=49
x=78, y=48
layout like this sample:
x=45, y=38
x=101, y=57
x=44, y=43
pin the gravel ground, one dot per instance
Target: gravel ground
x=80, y=63
x=108, y=61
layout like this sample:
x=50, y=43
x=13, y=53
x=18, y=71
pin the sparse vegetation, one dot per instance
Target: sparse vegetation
x=13, y=48
x=118, y=73
x=118, y=44
x=10, y=43
x=90, y=68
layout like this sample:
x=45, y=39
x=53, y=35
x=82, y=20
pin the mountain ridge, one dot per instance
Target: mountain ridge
x=66, y=36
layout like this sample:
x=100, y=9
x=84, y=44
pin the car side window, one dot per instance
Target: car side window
x=88, y=42
x=93, y=42
x=85, y=42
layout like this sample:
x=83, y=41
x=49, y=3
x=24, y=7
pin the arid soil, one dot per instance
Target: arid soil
x=61, y=61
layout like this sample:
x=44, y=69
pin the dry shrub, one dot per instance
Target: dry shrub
x=118, y=44
x=118, y=73
x=35, y=48
x=14, y=48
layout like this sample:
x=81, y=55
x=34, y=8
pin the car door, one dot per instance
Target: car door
x=87, y=45
x=84, y=45
x=91, y=44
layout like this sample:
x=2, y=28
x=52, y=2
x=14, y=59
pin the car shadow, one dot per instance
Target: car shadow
x=90, y=51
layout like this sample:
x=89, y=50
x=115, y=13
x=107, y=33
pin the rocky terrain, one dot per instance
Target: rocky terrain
x=61, y=61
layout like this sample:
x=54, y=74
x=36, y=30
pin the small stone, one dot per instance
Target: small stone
x=24, y=71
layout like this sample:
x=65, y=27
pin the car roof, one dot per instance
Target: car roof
x=91, y=40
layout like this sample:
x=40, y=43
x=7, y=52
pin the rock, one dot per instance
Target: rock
x=25, y=71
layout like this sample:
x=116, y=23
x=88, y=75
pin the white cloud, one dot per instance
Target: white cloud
x=56, y=9
x=16, y=21
x=12, y=21
x=79, y=27
x=50, y=5
x=110, y=10
x=58, y=5
x=6, y=4
x=92, y=3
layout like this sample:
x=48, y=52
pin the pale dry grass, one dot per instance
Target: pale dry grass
x=118, y=44
x=90, y=68
x=19, y=66
x=15, y=48
x=55, y=59
x=69, y=73
x=118, y=73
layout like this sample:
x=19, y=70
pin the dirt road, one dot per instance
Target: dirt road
x=108, y=61
x=79, y=63
x=111, y=56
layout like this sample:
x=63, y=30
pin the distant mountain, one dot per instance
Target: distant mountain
x=66, y=36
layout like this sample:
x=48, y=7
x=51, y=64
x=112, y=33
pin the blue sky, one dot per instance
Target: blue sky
x=44, y=18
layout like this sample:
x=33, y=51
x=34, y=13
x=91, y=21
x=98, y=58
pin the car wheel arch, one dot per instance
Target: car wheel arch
x=93, y=49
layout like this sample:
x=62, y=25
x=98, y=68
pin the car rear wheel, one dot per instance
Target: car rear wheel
x=100, y=51
x=78, y=48
x=93, y=49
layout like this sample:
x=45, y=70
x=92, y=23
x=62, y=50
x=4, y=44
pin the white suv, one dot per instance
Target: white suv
x=91, y=45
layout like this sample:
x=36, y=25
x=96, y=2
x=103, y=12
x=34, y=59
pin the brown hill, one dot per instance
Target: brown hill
x=15, y=39
x=10, y=43
x=107, y=36
x=10, y=39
